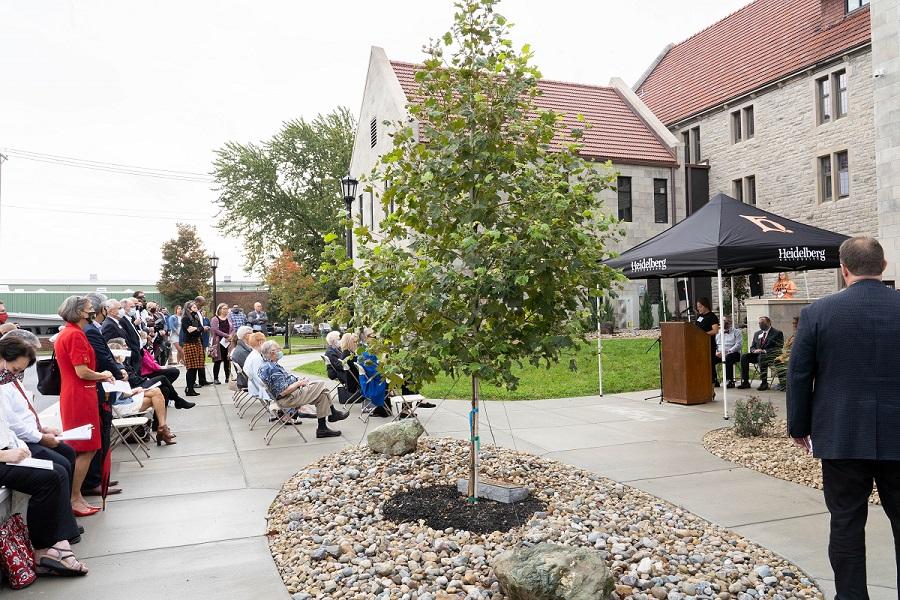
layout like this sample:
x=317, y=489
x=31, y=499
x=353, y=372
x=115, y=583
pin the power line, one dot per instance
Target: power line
x=104, y=163
x=109, y=214
x=113, y=167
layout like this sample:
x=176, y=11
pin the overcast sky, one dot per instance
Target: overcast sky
x=162, y=84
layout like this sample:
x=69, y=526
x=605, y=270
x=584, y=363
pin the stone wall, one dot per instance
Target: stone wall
x=784, y=151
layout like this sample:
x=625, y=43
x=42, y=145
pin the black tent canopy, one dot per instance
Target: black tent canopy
x=727, y=237
x=737, y=238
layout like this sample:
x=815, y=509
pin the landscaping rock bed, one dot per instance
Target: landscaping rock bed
x=330, y=539
x=773, y=453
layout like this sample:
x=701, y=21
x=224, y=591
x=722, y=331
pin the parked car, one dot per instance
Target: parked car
x=324, y=328
x=277, y=329
x=305, y=329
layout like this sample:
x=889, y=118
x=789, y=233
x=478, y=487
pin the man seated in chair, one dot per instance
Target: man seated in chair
x=766, y=346
x=241, y=352
x=290, y=391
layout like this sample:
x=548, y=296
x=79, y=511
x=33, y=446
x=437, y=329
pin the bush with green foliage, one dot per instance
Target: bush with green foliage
x=645, y=313
x=753, y=417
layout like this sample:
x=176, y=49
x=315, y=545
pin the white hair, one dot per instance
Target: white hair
x=243, y=331
x=333, y=339
x=267, y=347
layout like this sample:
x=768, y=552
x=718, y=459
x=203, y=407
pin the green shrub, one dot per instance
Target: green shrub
x=751, y=418
x=645, y=314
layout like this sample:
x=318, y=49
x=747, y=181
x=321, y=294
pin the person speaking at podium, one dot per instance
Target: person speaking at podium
x=709, y=323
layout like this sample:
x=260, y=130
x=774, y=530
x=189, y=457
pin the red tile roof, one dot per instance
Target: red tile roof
x=616, y=132
x=759, y=44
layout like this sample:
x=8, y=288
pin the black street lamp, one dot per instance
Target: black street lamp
x=214, y=264
x=348, y=187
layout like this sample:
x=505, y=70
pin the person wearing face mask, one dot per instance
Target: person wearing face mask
x=200, y=301
x=3, y=314
x=78, y=391
x=105, y=362
x=126, y=329
x=50, y=512
x=222, y=343
x=174, y=323
x=194, y=358
x=766, y=346
x=733, y=340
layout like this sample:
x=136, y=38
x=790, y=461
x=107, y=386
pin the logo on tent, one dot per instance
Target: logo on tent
x=767, y=224
x=798, y=253
x=648, y=264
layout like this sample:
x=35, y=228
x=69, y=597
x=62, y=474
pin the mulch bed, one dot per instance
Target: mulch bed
x=442, y=506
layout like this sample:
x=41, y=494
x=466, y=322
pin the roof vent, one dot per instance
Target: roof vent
x=373, y=132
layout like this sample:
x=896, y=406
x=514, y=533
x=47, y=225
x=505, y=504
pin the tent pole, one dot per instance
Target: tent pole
x=733, y=319
x=599, y=346
x=722, y=350
x=806, y=282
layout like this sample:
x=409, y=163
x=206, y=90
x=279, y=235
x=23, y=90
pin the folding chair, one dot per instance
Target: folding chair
x=241, y=396
x=408, y=403
x=340, y=385
x=368, y=406
x=281, y=421
x=136, y=426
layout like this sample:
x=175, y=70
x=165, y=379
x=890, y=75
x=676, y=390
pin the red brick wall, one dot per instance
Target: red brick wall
x=244, y=299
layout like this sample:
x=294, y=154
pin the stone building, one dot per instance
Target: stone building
x=776, y=105
x=792, y=105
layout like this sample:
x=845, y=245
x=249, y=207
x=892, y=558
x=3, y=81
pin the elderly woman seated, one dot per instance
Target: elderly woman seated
x=50, y=521
x=149, y=367
x=140, y=399
x=341, y=366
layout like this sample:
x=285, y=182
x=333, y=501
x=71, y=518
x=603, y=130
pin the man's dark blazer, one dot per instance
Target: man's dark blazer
x=335, y=368
x=774, y=341
x=105, y=359
x=844, y=374
x=122, y=329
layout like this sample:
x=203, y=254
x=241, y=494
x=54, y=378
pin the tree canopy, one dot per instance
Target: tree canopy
x=184, y=273
x=291, y=288
x=497, y=235
x=283, y=193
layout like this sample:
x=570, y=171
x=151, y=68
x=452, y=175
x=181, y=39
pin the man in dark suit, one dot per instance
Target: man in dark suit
x=105, y=362
x=116, y=326
x=766, y=346
x=843, y=405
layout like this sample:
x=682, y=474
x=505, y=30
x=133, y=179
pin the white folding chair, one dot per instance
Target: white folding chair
x=282, y=420
x=135, y=426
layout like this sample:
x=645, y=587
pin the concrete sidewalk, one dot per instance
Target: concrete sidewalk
x=191, y=523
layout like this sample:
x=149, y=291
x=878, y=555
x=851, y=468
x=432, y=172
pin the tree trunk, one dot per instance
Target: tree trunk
x=474, y=444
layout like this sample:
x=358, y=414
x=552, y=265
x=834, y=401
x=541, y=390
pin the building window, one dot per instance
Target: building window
x=695, y=143
x=843, y=174
x=823, y=91
x=832, y=96
x=825, y=185
x=736, y=127
x=623, y=185
x=841, y=98
x=855, y=4
x=661, y=200
x=686, y=139
x=749, y=125
x=750, y=195
x=373, y=132
x=361, y=209
x=737, y=189
x=372, y=210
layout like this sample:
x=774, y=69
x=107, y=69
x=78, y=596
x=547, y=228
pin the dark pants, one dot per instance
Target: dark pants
x=226, y=362
x=50, y=517
x=94, y=475
x=170, y=373
x=62, y=455
x=168, y=390
x=730, y=360
x=192, y=378
x=763, y=360
x=848, y=484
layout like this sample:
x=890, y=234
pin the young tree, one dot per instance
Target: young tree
x=497, y=235
x=291, y=288
x=284, y=192
x=185, y=273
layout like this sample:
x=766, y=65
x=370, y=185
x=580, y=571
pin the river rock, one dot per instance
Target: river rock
x=396, y=439
x=551, y=572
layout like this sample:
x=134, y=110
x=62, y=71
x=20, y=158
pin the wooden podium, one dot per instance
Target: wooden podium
x=686, y=364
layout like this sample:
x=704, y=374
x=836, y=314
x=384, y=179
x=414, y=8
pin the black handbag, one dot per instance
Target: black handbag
x=48, y=376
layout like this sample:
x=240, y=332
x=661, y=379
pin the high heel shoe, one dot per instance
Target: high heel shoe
x=164, y=435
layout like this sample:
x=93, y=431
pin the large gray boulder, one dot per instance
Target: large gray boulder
x=551, y=572
x=396, y=438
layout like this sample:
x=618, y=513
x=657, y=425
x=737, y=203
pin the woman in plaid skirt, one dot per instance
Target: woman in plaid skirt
x=194, y=358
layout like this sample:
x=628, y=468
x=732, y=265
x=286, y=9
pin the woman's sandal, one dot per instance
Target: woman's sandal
x=53, y=566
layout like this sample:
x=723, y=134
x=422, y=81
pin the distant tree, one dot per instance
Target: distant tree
x=283, y=193
x=291, y=288
x=184, y=274
x=494, y=247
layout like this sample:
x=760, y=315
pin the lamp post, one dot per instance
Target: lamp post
x=214, y=264
x=348, y=187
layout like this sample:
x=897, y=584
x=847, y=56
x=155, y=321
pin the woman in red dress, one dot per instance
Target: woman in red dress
x=78, y=390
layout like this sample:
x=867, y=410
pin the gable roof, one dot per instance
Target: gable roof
x=756, y=45
x=616, y=131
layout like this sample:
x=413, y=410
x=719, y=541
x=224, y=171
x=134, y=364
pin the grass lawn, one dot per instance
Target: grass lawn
x=627, y=366
x=300, y=344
